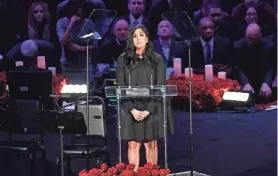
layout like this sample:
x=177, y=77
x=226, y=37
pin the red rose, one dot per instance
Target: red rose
x=148, y=166
x=155, y=166
x=143, y=171
x=112, y=170
x=95, y=172
x=130, y=167
x=103, y=166
x=120, y=166
x=163, y=172
x=154, y=172
x=83, y=173
x=128, y=173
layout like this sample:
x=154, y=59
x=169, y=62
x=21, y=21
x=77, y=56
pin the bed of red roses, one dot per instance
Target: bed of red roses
x=206, y=96
x=121, y=169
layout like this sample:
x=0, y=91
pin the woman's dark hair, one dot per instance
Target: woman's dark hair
x=131, y=50
x=73, y=5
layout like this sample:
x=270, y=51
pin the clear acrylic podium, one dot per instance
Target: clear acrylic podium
x=161, y=92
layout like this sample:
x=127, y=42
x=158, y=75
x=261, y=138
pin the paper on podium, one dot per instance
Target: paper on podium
x=97, y=24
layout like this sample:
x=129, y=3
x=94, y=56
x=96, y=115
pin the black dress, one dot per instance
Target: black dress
x=151, y=128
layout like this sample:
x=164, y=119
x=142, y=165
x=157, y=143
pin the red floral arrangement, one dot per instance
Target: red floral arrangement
x=206, y=96
x=58, y=82
x=121, y=169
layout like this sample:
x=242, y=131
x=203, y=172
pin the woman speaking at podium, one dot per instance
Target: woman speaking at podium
x=142, y=118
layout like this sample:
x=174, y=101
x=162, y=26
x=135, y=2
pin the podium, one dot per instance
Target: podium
x=159, y=92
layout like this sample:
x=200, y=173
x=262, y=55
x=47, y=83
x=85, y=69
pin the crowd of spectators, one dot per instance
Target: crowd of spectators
x=237, y=33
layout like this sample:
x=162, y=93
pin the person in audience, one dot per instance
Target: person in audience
x=164, y=45
x=40, y=28
x=141, y=119
x=39, y=22
x=162, y=6
x=68, y=29
x=213, y=7
x=265, y=12
x=251, y=16
x=28, y=51
x=221, y=20
x=254, y=59
x=210, y=49
x=136, y=9
x=116, y=45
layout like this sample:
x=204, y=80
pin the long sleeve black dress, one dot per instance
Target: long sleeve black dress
x=151, y=128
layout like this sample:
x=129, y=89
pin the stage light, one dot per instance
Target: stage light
x=237, y=100
x=236, y=96
x=74, y=89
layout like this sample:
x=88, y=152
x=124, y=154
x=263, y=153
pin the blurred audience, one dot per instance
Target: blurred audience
x=165, y=45
x=162, y=6
x=116, y=45
x=136, y=9
x=46, y=28
x=74, y=64
x=255, y=58
x=210, y=49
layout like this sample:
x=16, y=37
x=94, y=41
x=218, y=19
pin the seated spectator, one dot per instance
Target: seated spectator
x=162, y=6
x=265, y=12
x=117, y=44
x=221, y=20
x=90, y=6
x=215, y=10
x=39, y=22
x=74, y=65
x=164, y=45
x=254, y=59
x=136, y=9
x=40, y=28
x=210, y=49
x=251, y=16
x=28, y=51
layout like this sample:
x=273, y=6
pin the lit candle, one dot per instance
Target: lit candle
x=186, y=72
x=53, y=69
x=209, y=72
x=19, y=64
x=222, y=75
x=177, y=66
x=41, y=62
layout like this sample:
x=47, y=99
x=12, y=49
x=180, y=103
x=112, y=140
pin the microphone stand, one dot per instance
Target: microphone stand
x=188, y=44
x=60, y=112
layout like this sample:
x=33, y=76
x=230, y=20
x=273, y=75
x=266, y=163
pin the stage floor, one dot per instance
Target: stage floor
x=225, y=144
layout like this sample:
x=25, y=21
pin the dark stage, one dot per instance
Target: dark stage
x=225, y=144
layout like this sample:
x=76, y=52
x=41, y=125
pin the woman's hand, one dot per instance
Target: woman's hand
x=139, y=115
x=136, y=114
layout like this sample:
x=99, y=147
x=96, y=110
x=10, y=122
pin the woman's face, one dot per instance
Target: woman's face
x=251, y=16
x=140, y=39
x=38, y=13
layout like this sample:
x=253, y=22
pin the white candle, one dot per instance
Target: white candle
x=41, y=62
x=177, y=66
x=186, y=72
x=53, y=69
x=19, y=63
x=222, y=75
x=209, y=73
